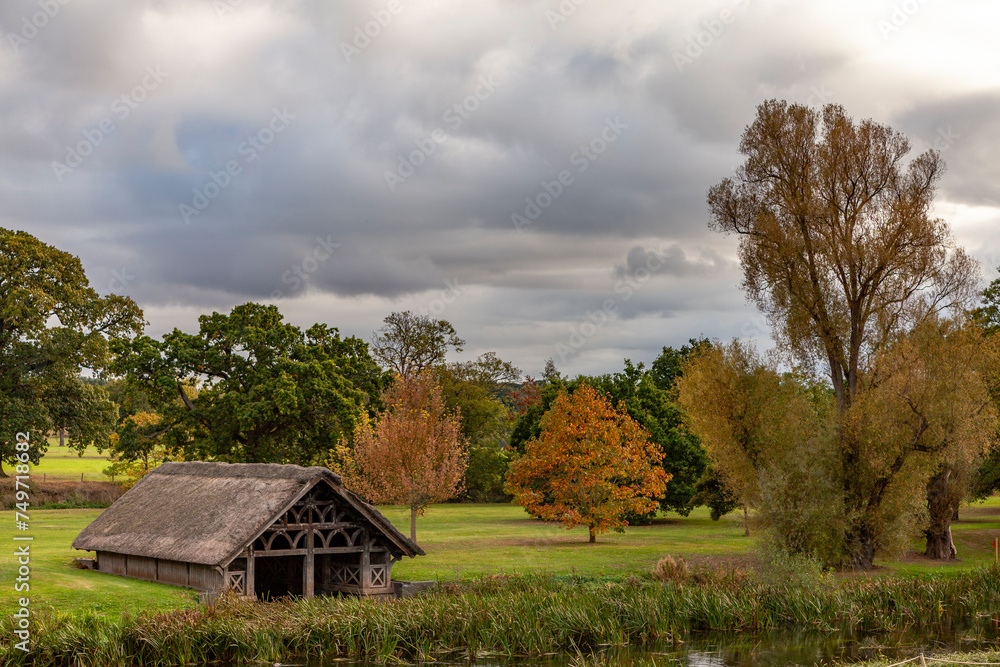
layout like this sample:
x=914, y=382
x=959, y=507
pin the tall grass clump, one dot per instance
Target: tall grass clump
x=502, y=616
x=668, y=569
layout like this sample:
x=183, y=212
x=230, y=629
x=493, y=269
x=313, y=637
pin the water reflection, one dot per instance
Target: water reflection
x=772, y=649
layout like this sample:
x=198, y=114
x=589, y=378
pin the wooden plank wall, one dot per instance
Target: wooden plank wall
x=204, y=577
x=109, y=562
x=173, y=572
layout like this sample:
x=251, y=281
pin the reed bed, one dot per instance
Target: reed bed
x=505, y=616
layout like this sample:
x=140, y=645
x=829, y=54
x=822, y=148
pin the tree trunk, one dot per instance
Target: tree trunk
x=413, y=522
x=593, y=535
x=860, y=543
x=941, y=508
x=2, y=473
x=746, y=522
x=62, y=437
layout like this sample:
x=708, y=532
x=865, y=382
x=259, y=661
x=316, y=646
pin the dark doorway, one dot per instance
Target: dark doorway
x=277, y=576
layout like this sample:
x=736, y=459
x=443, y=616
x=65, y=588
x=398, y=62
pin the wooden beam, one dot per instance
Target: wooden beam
x=318, y=526
x=316, y=551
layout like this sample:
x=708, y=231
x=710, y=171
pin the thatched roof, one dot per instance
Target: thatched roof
x=207, y=513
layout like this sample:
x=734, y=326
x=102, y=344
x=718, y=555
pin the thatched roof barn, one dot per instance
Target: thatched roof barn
x=258, y=529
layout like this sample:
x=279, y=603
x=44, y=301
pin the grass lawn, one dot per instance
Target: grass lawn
x=56, y=584
x=65, y=463
x=468, y=540
x=973, y=534
x=461, y=541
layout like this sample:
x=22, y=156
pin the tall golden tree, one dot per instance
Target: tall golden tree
x=767, y=434
x=592, y=465
x=412, y=455
x=840, y=249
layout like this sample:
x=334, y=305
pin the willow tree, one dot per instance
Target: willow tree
x=927, y=413
x=841, y=251
x=767, y=434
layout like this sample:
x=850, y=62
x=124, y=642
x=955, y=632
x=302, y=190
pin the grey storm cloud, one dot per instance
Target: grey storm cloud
x=541, y=165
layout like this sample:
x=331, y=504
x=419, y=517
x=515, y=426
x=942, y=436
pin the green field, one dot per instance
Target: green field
x=65, y=463
x=461, y=541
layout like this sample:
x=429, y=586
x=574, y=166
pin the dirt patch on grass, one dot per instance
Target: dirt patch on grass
x=61, y=493
x=977, y=513
x=979, y=540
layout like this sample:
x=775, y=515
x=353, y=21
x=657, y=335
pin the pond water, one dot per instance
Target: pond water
x=772, y=649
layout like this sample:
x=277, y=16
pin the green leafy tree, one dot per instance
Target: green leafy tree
x=483, y=393
x=987, y=315
x=53, y=326
x=266, y=391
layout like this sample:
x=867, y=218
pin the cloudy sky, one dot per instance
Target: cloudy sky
x=533, y=171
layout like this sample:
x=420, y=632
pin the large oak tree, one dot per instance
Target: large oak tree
x=841, y=250
x=53, y=325
x=268, y=392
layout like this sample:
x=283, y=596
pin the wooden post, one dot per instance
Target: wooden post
x=248, y=578
x=308, y=570
x=366, y=564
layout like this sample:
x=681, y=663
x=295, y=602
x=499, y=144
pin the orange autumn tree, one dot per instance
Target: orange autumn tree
x=413, y=454
x=592, y=465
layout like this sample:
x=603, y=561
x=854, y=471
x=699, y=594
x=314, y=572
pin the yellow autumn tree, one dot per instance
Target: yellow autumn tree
x=592, y=465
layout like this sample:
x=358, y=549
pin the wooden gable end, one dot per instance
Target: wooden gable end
x=341, y=549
